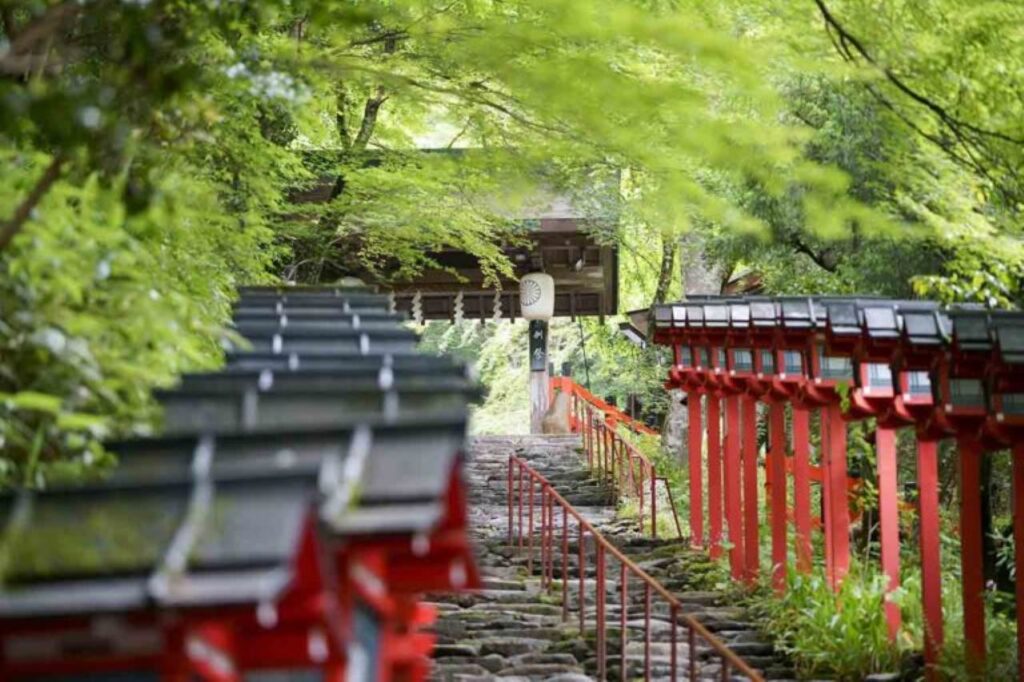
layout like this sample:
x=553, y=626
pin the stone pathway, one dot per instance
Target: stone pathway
x=513, y=630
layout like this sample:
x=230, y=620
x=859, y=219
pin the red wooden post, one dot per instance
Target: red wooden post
x=510, y=501
x=1018, y=538
x=623, y=617
x=600, y=599
x=970, y=455
x=751, y=522
x=654, y=502
x=825, y=421
x=694, y=447
x=529, y=532
x=777, y=463
x=802, y=487
x=715, y=474
x=931, y=570
x=888, y=511
x=565, y=564
x=581, y=563
x=732, y=480
x=840, y=504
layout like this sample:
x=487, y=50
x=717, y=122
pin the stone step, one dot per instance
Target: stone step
x=513, y=629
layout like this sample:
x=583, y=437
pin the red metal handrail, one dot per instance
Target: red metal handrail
x=630, y=471
x=613, y=416
x=522, y=476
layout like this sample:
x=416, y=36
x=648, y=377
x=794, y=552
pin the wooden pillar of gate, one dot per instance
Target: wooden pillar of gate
x=539, y=377
x=751, y=520
x=928, y=533
x=802, y=488
x=694, y=447
x=888, y=512
x=732, y=480
x=777, y=512
x=971, y=548
x=715, y=475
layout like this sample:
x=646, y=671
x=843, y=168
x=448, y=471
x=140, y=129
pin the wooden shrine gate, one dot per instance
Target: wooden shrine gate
x=953, y=373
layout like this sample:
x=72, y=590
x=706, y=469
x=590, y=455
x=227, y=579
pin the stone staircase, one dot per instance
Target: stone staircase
x=514, y=630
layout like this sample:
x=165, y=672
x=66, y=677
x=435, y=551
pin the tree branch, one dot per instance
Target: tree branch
x=44, y=27
x=822, y=260
x=369, y=122
x=10, y=229
x=341, y=119
x=848, y=39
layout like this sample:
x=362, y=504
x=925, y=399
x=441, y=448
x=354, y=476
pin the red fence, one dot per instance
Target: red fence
x=523, y=484
x=583, y=402
x=609, y=454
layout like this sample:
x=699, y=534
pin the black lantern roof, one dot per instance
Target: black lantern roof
x=331, y=424
x=797, y=312
x=370, y=362
x=842, y=316
x=923, y=323
x=763, y=312
x=739, y=314
x=972, y=330
x=1008, y=330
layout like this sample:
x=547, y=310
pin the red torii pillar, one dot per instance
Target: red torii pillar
x=728, y=462
x=684, y=375
x=760, y=387
x=1005, y=424
x=787, y=384
x=738, y=379
x=961, y=411
x=874, y=396
x=834, y=480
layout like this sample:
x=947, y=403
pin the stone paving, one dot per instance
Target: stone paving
x=513, y=630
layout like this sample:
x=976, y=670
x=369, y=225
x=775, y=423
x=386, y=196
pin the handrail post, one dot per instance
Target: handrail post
x=565, y=564
x=600, y=596
x=529, y=532
x=654, y=502
x=543, y=536
x=582, y=565
x=673, y=615
x=623, y=615
x=522, y=472
x=692, y=646
x=647, y=631
x=509, y=478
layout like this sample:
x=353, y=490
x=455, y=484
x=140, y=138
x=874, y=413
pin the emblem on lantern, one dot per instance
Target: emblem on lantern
x=537, y=296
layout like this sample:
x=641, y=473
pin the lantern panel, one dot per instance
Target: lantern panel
x=878, y=375
x=968, y=393
x=793, y=362
x=742, y=360
x=918, y=384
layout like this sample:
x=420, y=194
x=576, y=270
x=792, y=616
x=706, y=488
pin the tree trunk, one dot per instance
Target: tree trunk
x=698, y=277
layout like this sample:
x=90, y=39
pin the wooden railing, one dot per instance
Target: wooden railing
x=581, y=398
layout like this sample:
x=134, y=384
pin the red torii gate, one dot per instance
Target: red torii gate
x=905, y=363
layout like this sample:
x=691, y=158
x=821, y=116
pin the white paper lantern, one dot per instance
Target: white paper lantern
x=537, y=296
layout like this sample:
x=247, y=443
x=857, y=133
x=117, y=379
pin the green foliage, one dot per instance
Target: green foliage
x=100, y=304
x=841, y=634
